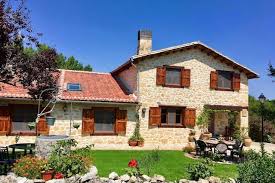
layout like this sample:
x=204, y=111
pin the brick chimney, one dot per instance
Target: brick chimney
x=144, y=42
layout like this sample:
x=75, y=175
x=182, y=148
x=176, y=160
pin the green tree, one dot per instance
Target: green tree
x=36, y=72
x=62, y=61
x=271, y=70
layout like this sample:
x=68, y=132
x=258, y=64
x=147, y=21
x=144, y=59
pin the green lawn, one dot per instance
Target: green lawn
x=172, y=164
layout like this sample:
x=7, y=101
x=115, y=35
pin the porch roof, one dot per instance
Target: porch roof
x=226, y=107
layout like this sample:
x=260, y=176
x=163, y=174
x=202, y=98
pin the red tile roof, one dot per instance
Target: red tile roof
x=94, y=87
x=10, y=91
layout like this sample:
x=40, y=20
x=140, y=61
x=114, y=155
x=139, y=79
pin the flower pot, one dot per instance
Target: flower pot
x=133, y=143
x=191, y=138
x=47, y=175
x=247, y=141
x=206, y=136
x=140, y=143
x=50, y=120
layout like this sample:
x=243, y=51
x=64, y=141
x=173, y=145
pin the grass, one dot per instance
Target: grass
x=172, y=165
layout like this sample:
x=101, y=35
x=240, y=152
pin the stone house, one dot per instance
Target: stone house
x=164, y=89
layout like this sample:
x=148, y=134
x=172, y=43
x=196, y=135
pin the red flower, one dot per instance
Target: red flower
x=58, y=176
x=133, y=163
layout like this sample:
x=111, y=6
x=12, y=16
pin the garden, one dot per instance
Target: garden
x=68, y=164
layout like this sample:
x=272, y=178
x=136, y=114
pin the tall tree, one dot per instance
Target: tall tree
x=271, y=70
x=62, y=62
x=34, y=73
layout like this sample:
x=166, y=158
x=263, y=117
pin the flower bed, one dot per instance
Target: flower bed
x=62, y=163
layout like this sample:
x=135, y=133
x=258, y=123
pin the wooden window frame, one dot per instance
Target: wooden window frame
x=225, y=89
x=173, y=68
x=12, y=133
x=180, y=125
x=113, y=109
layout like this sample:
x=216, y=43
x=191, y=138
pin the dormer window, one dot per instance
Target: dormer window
x=73, y=87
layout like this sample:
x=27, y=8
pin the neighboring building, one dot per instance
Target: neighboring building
x=167, y=89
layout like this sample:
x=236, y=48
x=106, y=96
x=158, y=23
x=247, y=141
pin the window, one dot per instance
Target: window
x=73, y=87
x=225, y=79
x=21, y=116
x=173, y=76
x=171, y=116
x=104, y=121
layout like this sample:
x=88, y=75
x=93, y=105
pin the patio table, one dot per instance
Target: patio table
x=213, y=143
x=22, y=146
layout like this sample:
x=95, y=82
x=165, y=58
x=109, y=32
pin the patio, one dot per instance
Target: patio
x=220, y=150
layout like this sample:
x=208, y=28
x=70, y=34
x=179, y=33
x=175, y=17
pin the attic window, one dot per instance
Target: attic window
x=73, y=87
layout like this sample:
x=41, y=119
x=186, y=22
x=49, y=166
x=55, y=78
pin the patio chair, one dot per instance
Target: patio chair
x=203, y=148
x=196, y=146
x=221, y=148
x=237, y=151
x=5, y=160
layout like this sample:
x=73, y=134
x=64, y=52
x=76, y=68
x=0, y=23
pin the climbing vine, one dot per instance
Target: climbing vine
x=204, y=118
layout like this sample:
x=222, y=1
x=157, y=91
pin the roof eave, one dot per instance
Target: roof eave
x=197, y=44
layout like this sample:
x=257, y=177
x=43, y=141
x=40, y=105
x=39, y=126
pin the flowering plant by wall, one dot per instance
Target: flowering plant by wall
x=133, y=168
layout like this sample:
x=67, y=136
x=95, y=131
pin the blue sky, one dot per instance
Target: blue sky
x=103, y=33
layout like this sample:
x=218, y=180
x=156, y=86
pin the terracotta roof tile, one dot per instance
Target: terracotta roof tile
x=94, y=87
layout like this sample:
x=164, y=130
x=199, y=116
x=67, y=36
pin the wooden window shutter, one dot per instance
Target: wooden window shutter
x=185, y=77
x=121, y=121
x=5, y=122
x=189, y=118
x=214, y=80
x=160, y=78
x=42, y=126
x=154, y=116
x=88, y=121
x=236, y=81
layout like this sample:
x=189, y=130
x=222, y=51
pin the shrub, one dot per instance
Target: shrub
x=85, y=152
x=133, y=168
x=149, y=160
x=70, y=165
x=258, y=167
x=268, y=138
x=216, y=157
x=29, y=167
x=66, y=161
x=200, y=170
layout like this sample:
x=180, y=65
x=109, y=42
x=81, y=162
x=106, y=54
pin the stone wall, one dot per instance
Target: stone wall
x=62, y=127
x=196, y=96
x=151, y=95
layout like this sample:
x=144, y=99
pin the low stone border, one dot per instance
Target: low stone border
x=91, y=177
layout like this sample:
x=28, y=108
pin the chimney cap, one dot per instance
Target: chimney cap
x=144, y=34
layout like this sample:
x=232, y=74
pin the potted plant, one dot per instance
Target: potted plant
x=31, y=125
x=140, y=141
x=191, y=135
x=76, y=125
x=136, y=139
x=50, y=120
x=47, y=172
x=245, y=137
x=133, y=141
x=203, y=122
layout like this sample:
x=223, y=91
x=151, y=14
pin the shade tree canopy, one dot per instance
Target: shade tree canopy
x=62, y=61
x=34, y=73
